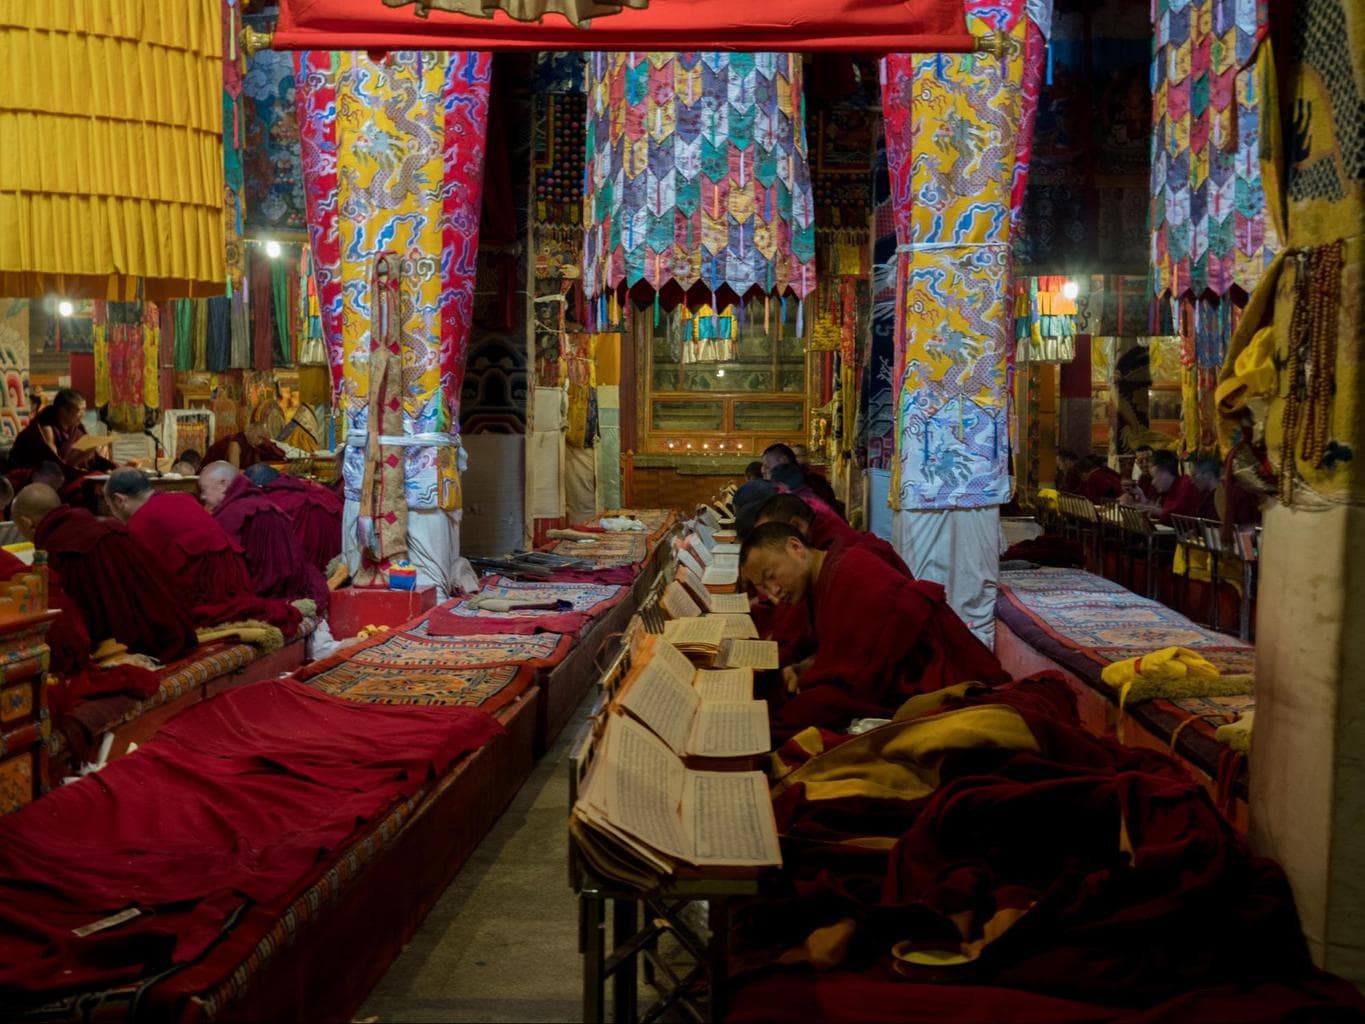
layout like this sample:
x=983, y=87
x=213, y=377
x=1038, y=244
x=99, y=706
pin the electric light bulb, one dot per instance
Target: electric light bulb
x=720, y=372
x=65, y=308
x=272, y=249
x=1070, y=290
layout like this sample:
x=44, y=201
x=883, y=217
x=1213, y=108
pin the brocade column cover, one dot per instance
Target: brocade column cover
x=697, y=173
x=393, y=162
x=959, y=134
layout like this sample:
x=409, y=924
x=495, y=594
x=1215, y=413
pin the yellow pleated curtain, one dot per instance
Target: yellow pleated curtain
x=111, y=152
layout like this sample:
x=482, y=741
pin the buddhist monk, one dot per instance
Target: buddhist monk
x=314, y=511
x=192, y=547
x=52, y=435
x=262, y=529
x=121, y=591
x=780, y=465
x=245, y=448
x=1099, y=483
x=1181, y=495
x=822, y=528
x=880, y=637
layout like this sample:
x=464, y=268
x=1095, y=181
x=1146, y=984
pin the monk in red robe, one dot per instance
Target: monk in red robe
x=880, y=637
x=314, y=511
x=822, y=528
x=1181, y=495
x=276, y=562
x=207, y=565
x=1099, y=483
x=121, y=591
x=53, y=435
x=245, y=448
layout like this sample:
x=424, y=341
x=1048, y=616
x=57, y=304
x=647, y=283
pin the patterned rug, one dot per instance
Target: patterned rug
x=411, y=668
x=587, y=598
x=1084, y=622
x=607, y=551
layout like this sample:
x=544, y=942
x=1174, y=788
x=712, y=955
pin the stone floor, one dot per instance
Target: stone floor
x=501, y=944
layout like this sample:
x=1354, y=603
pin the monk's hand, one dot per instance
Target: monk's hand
x=791, y=678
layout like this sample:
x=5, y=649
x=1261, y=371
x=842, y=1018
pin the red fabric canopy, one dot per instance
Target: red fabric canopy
x=864, y=26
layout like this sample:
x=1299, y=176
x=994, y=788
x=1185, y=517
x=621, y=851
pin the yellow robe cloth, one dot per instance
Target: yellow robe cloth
x=111, y=149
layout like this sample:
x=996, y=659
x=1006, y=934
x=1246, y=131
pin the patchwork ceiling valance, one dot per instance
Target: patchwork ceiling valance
x=697, y=174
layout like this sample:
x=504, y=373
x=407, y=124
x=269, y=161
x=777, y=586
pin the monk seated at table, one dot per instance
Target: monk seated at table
x=822, y=528
x=193, y=549
x=121, y=591
x=262, y=530
x=880, y=637
x=245, y=448
x=781, y=466
x=314, y=511
x=56, y=434
x=1181, y=495
x=1099, y=483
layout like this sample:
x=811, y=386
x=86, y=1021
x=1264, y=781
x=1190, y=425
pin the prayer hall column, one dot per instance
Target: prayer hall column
x=1295, y=363
x=957, y=193
x=393, y=152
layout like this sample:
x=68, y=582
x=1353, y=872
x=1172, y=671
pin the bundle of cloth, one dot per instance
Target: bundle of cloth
x=983, y=857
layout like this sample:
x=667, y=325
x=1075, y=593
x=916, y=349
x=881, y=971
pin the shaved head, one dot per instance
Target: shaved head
x=214, y=481
x=777, y=561
x=787, y=508
x=126, y=491
x=32, y=506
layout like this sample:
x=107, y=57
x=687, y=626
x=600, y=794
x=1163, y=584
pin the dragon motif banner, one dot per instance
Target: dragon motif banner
x=958, y=131
x=698, y=173
x=393, y=162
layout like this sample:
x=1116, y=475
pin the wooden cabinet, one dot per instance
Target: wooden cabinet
x=24, y=724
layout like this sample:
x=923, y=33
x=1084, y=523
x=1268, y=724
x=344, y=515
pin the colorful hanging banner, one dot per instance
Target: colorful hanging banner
x=1209, y=226
x=393, y=162
x=958, y=141
x=697, y=173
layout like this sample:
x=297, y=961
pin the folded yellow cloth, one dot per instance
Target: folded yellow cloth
x=1173, y=673
x=260, y=635
x=1237, y=735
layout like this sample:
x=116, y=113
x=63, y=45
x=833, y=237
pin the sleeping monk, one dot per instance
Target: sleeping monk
x=822, y=528
x=191, y=546
x=245, y=448
x=121, y=591
x=314, y=511
x=880, y=637
x=53, y=435
x=262, y=530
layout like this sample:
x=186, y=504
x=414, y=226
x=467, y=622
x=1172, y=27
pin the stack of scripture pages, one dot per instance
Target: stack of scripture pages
x=677, y=603
x=707, y=713
x=642, y=814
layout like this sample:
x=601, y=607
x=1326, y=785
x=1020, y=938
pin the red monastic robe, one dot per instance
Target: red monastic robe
x=120, y=589
x=250, y=454
x=881, y=638
x=205, y=562
x=828, y=529
x=278, y=567
x=1185, y=499
x=315, y=513
x=1102, y=484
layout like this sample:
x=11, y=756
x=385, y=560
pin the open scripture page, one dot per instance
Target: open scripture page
x=673, y=661
x=724, y=684
x=646, y=786
x=677, y=603
x=663, y=702
x=754, y=654
x=730, y=729
x=689, y=561
x=696, y=636
x=722, y=574
x=729, y=819
x=738, y=627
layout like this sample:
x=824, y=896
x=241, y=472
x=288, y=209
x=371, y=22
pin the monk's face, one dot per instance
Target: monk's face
x=780, y=573
x=212, y=488
x=70, y=415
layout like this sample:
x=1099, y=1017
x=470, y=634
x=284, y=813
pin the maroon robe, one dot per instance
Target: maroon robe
x=1102, y=484
x=278, y=567
x=828, y=529
x=251, y=454
x=1185, y=499
x=880, y=638
x=207, y=565
x=121, y=590
x=314, y=511
x=30, y=449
